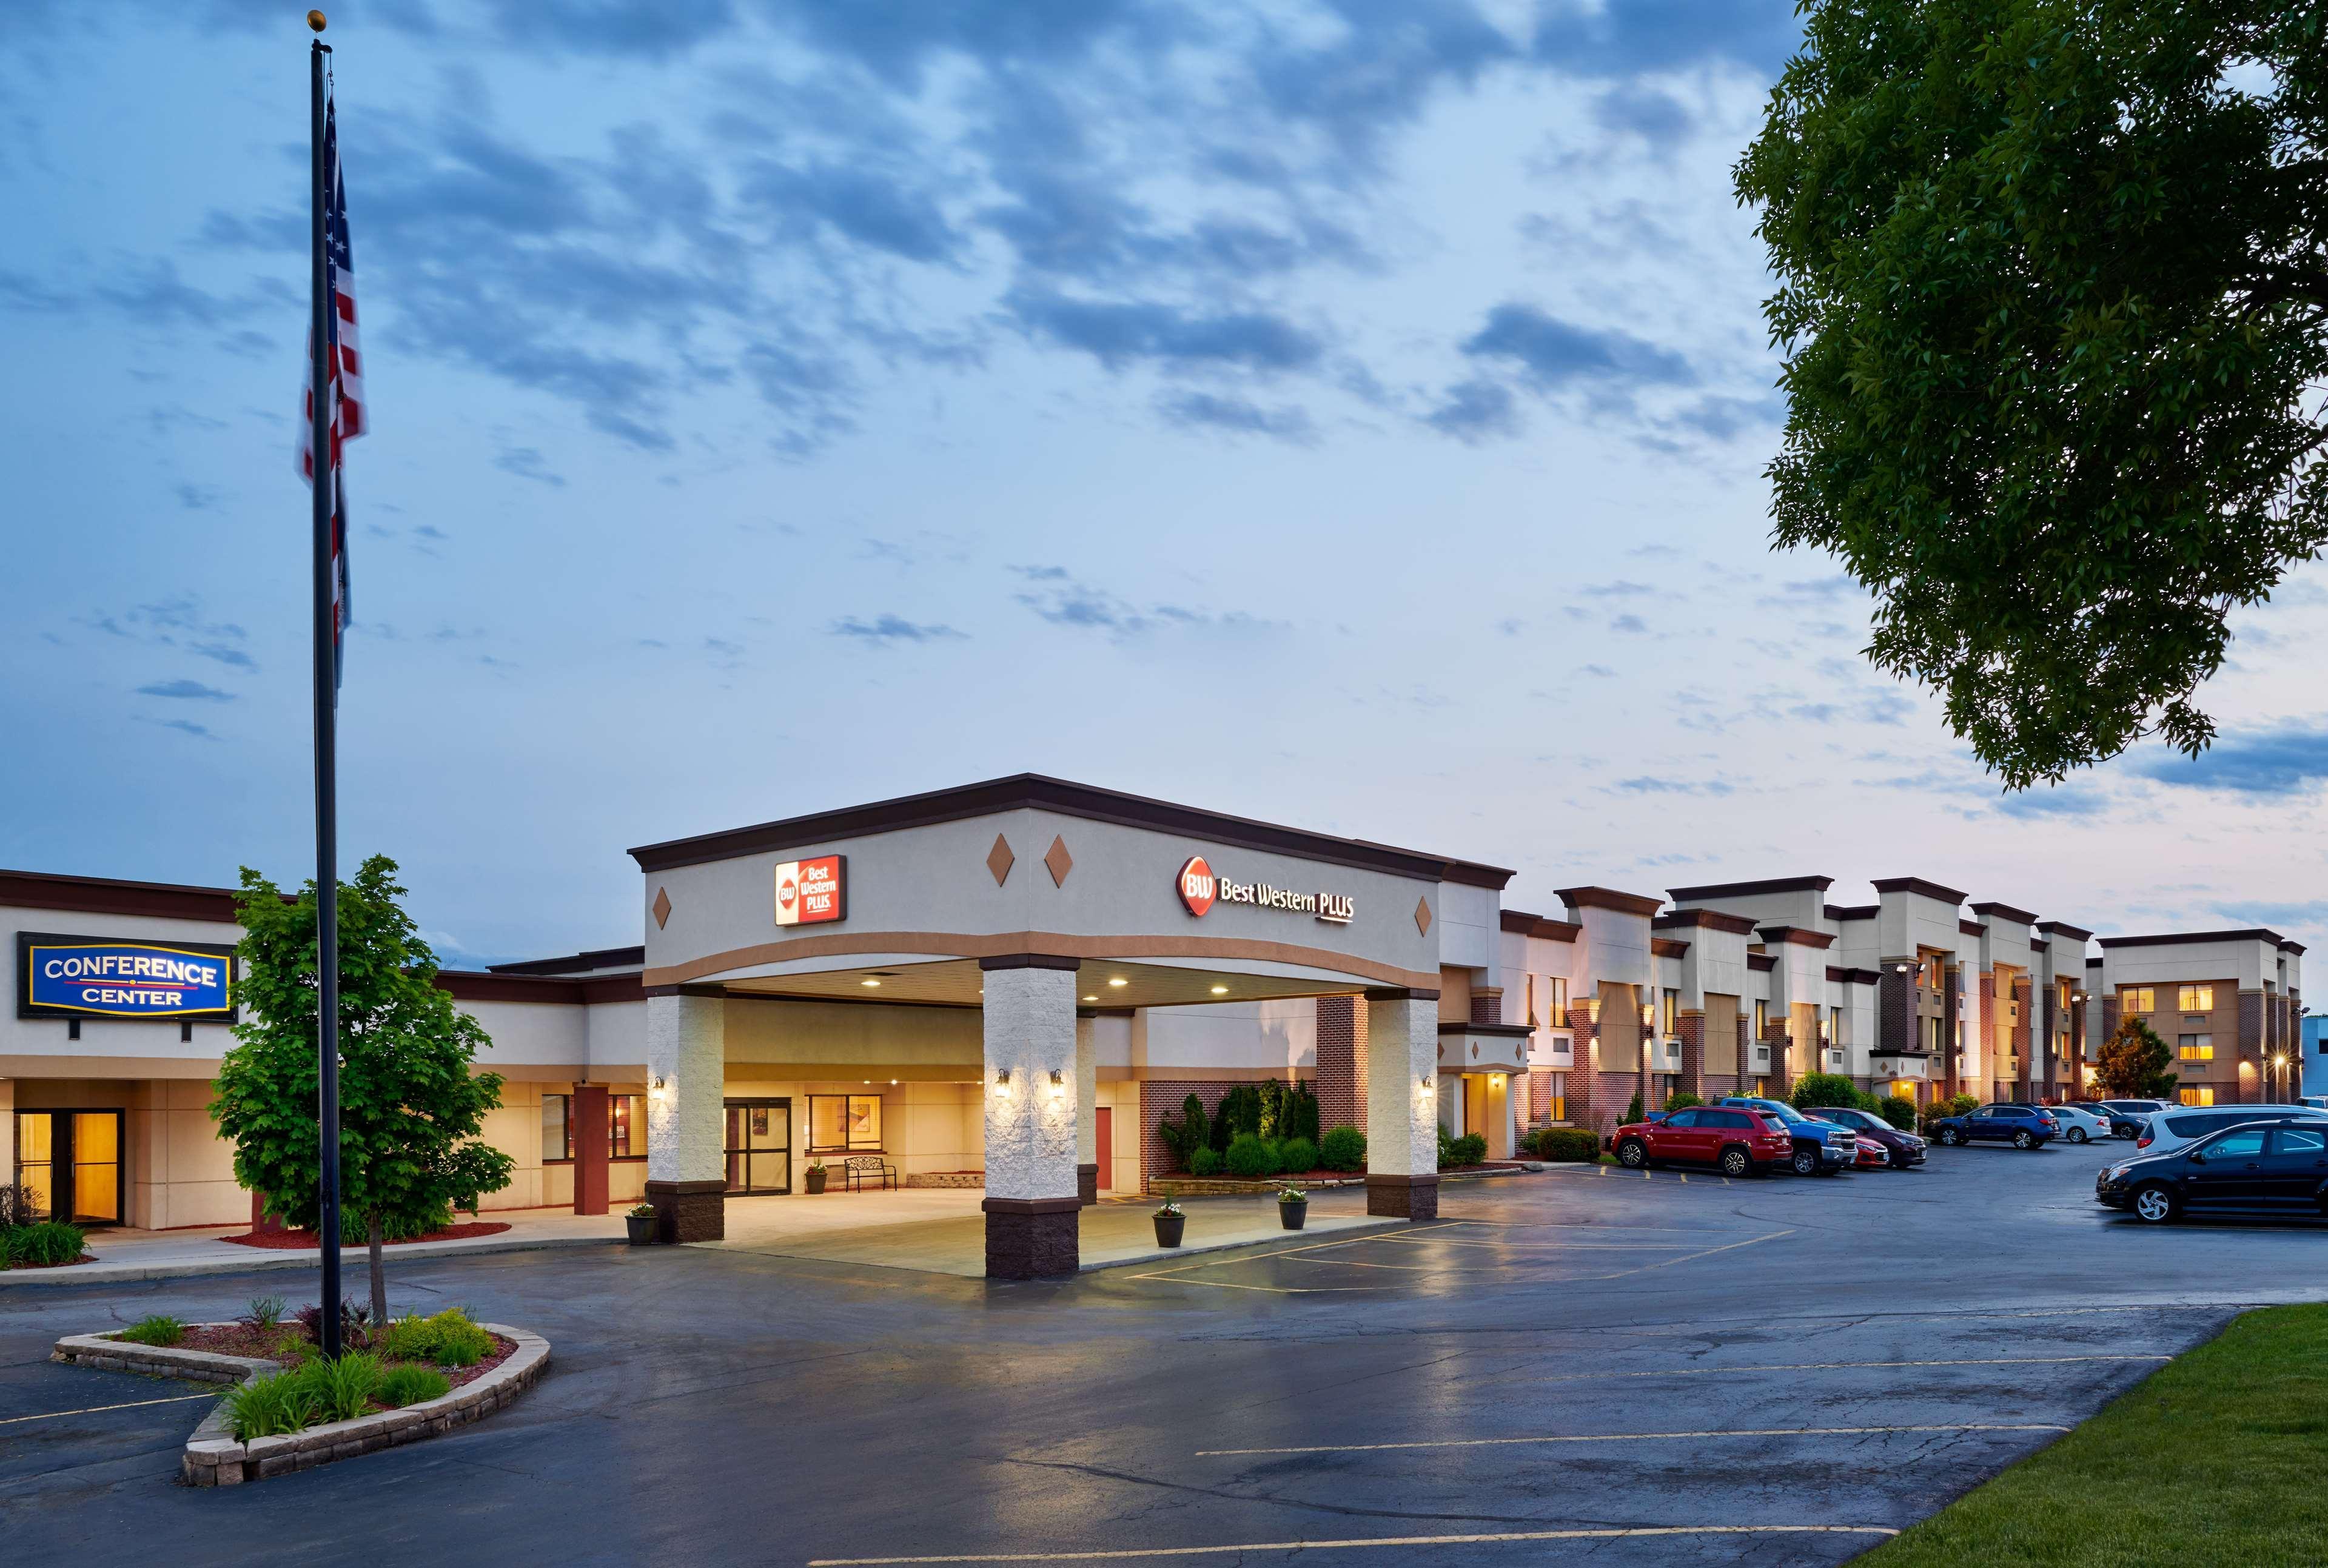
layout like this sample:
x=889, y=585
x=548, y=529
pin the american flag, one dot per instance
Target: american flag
x=346, y=367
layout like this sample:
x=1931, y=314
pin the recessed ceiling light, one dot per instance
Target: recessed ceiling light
x=1220, y=990
x=1118, y=980
x=870, y=980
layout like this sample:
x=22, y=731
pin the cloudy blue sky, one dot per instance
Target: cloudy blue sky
x=1347, y=413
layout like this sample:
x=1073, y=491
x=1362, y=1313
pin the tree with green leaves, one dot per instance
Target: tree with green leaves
x=2053, y=285
x=410, y=1107
x=2132, y=1064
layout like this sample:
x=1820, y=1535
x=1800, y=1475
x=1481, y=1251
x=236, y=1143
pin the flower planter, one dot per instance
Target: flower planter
x=641, y=1228
x=1292, y=1214
x=1168, y=1228
x=816, y=1181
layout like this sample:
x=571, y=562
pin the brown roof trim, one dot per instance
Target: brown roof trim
x=1595, y=897
x=1797, y=935
x=1991, y=906
x=1029, y=791
x=2253, y=934
x=1846, y=912
x=1501, y=1031
x=2295, y=947
x=1709, y=919
x=2037, y=946
x=552, y=990
x=106, y=896
x=2063, y=928
x=1760, y=961
x=2093, y=964
x=1917, y=885
x=1523, y=924
x=1668, y=947
x=1749, y=889
x=588, y=959
x=1972, y=928
x=1851, y=976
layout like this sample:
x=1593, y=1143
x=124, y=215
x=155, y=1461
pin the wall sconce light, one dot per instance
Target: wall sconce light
x=1002, y=1078
x=1057, y=1083
x=659, y=1085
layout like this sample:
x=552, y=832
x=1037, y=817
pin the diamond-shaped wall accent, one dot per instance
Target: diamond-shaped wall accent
x=1000, y=859
x=661, y=907
x=1058, y=862
x=1422, y=915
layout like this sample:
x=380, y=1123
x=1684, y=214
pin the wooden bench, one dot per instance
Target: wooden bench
x=859, y=1168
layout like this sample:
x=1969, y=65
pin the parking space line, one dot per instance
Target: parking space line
x=1844, y=1366
x=1177, y=1275
x=94, y=1409
x=1686, y=1257
x=1564, y=1246
x=1635, y=1437
x=1621, y=1533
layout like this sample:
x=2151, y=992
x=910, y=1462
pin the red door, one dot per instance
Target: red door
x=1103, y=1138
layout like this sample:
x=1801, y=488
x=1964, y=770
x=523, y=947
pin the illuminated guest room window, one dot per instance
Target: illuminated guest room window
x=844, y=1123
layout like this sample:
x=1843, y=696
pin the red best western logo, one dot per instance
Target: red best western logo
x=1197, y=886
x=810, y=892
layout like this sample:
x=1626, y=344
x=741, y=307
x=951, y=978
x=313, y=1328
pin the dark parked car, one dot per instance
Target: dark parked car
x=2281, y=1168
x=1901, y=1150
x=1819, y=1148
x=2023, y=1126
x=2126, y=1117
x=1737, y=1142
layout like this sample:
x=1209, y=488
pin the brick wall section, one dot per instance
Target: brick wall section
x=1161, y=1097
x=1341, y=1088
x=1990, y=1087
x=1692, y=1078
x=1583, y=1095
x=1952, y=998
x=1487, y=1006
x=2251, y=1049
x=2030, y=1076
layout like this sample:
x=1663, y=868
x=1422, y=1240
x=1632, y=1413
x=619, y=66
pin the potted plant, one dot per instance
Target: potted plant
x=1293, y=1208
x=640, y=1221
x=815, y=1177
x=1170, y=1223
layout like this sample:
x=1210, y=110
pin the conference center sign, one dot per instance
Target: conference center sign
x=105, y=977
x=1200, y=888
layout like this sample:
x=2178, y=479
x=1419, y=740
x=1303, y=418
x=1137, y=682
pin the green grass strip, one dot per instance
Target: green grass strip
x=2218, y=1457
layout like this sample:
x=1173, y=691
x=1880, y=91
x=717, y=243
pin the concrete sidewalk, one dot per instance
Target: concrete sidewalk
x=124, y=1255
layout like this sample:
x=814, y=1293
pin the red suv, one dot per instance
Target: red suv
x=1741, y=1142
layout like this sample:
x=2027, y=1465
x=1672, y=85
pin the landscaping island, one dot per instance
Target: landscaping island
x=2215, y=1457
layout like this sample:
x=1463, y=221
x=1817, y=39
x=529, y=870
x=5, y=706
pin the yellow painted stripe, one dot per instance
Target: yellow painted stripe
x=94, y=1409
x=1626, y=1532
x=1637, y=1437
x=1839, y=1365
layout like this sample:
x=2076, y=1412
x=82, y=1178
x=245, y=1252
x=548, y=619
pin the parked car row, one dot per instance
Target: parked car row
x=1745, y=1135
x=2250, y=1158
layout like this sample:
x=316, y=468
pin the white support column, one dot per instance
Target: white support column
x=1402, y=1104
x=1033, y=1107
x=7, y=1130
x=687, y=1068
x=1087, y=1117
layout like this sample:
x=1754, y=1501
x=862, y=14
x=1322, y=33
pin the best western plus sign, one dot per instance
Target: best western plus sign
x=812, y=892
x=1200, y=889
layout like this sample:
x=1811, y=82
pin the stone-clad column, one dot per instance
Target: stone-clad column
x=686, y=1066
x=1402, y=1104
x=1086, y=1118
x=1032, y=1093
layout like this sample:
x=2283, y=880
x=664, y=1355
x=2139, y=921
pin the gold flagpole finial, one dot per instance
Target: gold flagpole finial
x=316, y=20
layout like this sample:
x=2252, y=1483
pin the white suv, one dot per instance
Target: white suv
x=2180, y=1127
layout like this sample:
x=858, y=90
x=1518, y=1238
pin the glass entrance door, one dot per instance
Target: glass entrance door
x=759, y=1140
x=69, y=1161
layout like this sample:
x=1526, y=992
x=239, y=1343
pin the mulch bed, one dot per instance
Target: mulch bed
x=298, y=1240
x=275, y=1345
x=70, y=1263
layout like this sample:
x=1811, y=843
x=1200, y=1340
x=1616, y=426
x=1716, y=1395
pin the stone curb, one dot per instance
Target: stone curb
x=212, y=1458
x=262, y=1261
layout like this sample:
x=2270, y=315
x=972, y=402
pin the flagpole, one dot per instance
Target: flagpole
x=327, y=860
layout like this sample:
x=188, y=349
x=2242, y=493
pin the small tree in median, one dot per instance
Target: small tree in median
x=410, y=1109
x=2132, y=1064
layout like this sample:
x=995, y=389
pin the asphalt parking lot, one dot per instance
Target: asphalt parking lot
x=1627, y=1368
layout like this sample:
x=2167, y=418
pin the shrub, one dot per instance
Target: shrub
x=448, y=1339
x=1446, y=1147
x=265, y=1312
x=1297, y=1156
x=1470, y=1148
x=409, y=1385
x=1299, y=1117
x=343, y=1388
x=272, y=1406
x=155, y=1330
x=1204, y=1162
x=1248, y=1157
x=1818, y=1089
x=1187, y=1135
x=1574, y=1145
x=1898, y=1109
x=355, y=1322
x=48, y=1242
x=1681, y=1100
x=16, y=1207
x=1633, y=1110
x=1343, y=1149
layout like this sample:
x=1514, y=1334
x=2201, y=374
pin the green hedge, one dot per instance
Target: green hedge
x=34, y=1245
x=1572, y=1145
x=1343, y=1149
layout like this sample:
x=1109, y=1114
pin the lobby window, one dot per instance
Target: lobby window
x=1761, y=1019
x=2199, y=1095
x=2195, y=1047
x=626, y=1126
x=2196, y=999
x=1673, y=1012
x=1559, y=1087
x=844, y=1123
x=2136, y=999
x=556, y=1128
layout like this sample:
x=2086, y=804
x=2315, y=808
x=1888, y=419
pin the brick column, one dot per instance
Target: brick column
x=2026, y=1086
x=1583, y=1067
x=1951, y=1015
x=1692, y=1080
x=588, y=1110
x=1341, y=1091
x=687, y=1064
x=1031, y=1090
x=1402, y=1104
x=2250, y=1047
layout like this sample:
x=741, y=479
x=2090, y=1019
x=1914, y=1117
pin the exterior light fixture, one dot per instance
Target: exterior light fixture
x=1118, y=980
x=1220, y=990
x=1057, y=1083
x=870, y=983
x=659, y=1085
x=1002, y=1077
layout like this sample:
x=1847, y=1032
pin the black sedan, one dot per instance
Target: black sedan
x=1901, y=1150
x=2279, y=1168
